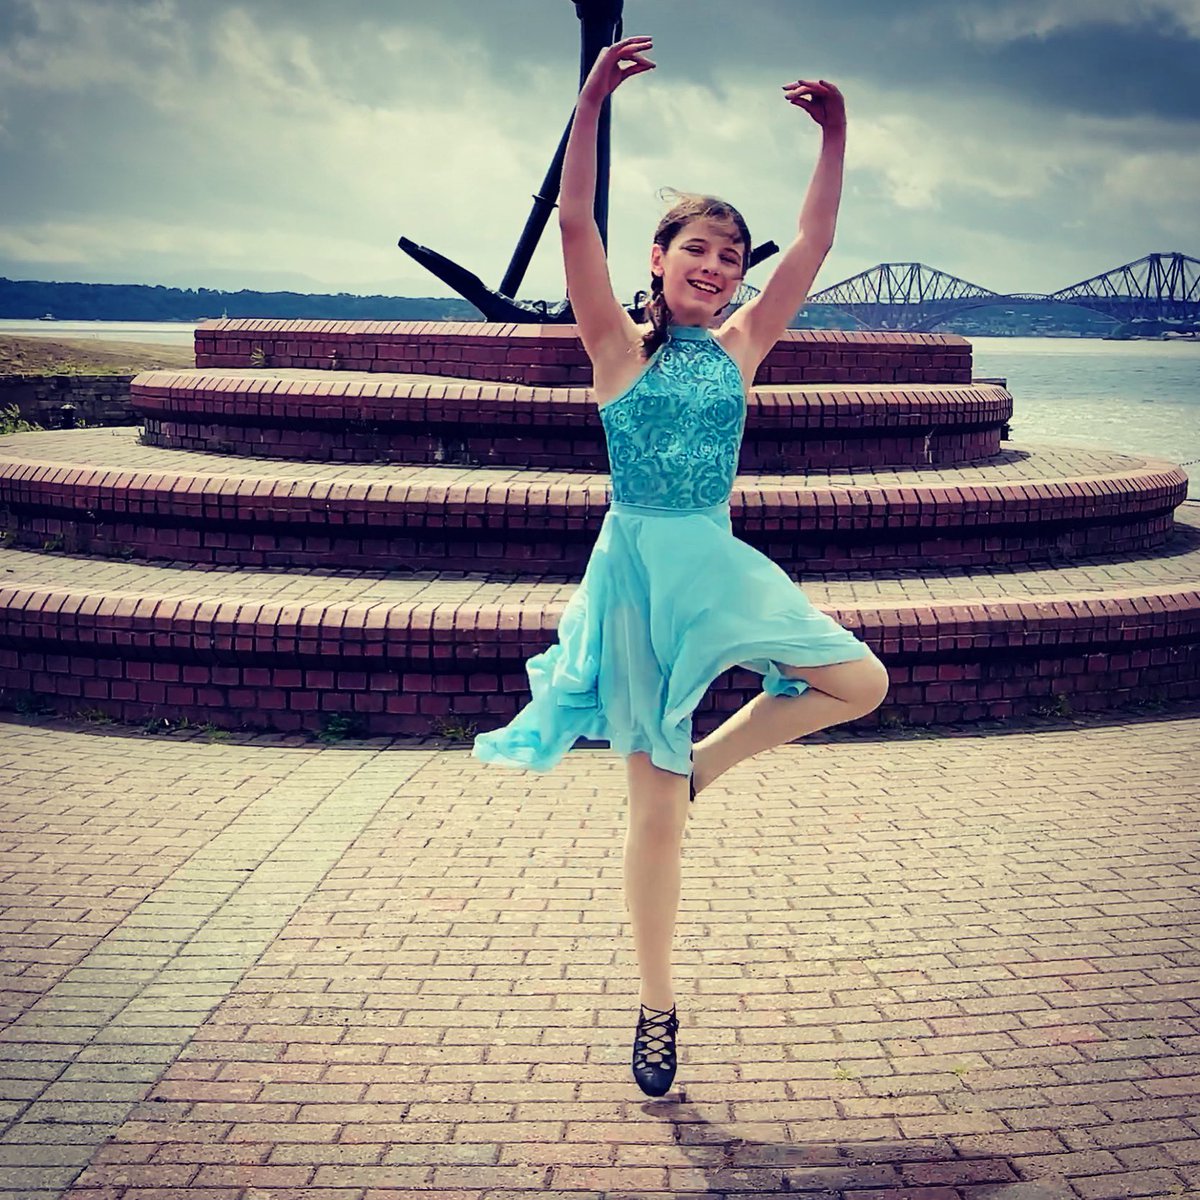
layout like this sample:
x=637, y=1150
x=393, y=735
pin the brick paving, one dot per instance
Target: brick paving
x=910, y=967
x=347, y=382
x=120, y=450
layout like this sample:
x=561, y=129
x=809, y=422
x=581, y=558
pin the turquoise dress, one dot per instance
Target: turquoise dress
x=670, y=598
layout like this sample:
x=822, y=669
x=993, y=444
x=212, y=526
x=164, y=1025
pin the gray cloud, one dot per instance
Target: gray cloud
x=273, y=144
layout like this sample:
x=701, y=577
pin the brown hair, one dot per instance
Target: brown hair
x=687, y=207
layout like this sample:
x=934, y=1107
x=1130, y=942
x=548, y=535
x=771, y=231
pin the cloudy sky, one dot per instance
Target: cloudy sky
x=1020, y=144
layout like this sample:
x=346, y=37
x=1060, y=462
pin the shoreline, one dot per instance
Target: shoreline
x=44, y=355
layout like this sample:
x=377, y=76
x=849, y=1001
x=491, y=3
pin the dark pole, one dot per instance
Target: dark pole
x=543, y=205
x=600, y=26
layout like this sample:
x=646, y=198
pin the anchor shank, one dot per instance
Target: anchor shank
x=544, y=202
x=600, y=26
x=601, y=21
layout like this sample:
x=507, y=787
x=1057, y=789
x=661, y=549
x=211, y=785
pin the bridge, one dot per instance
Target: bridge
x=916, y=298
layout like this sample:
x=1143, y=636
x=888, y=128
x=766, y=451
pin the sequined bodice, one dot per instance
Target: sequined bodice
x=674, y=436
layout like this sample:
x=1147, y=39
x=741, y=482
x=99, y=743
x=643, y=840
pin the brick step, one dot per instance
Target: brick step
x=99, y=491
x=432, y=652
x=553, y=355
x=359, y=417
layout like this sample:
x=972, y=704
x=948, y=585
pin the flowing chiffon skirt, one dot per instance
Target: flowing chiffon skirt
x=670, y=599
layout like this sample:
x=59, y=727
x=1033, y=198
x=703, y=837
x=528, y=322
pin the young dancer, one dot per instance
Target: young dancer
x=670, y=599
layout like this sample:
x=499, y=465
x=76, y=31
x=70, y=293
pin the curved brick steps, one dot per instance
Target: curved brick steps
x=553, y=355
x=424, y=641
x=100, y=491
x=444, y=651
x=353, y=416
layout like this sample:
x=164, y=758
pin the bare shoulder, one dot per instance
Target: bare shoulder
x=733, y=340
x=616, y=369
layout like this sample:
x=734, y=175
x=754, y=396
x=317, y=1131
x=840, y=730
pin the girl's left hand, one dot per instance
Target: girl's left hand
x=820, y=99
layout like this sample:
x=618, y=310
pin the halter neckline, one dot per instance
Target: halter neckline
x=688, y=332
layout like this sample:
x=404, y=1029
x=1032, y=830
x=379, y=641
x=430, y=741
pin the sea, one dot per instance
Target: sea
x=1140, y=397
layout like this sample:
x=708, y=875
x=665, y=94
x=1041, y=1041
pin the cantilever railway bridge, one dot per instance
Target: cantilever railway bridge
x=916, y=298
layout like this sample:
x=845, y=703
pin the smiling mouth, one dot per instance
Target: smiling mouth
x=707, y=288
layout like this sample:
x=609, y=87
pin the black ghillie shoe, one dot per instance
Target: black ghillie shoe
x=655, y=1039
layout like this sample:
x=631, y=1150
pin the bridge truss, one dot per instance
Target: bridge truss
x=911, y=296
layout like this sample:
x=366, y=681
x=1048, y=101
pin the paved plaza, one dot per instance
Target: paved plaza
x=951, y=965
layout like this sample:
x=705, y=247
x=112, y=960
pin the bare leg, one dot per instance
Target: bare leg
x=658, y=811
x=836, y=694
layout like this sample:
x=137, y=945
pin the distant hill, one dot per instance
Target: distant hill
x=28, y=299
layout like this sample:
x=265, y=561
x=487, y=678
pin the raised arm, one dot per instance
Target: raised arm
x=605, y=327
x=760, y=323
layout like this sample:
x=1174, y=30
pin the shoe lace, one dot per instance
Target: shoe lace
x=655, y=1035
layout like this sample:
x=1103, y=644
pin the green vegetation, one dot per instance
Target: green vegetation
x=30, y=298
x=336, y=727
x=11, y=421
x=454, y=729
x=95, y=716
x=1058, y=704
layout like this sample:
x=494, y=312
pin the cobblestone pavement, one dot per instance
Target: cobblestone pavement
x=962, y=966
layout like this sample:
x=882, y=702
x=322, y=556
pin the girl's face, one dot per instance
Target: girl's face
x=700, y=269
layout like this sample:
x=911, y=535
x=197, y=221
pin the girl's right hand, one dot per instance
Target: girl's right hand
x=607, y=74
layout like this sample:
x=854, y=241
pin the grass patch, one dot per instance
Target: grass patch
x=336, y=727
x=453, y=729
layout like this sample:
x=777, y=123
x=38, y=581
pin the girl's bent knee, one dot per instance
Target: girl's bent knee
x=875, y=683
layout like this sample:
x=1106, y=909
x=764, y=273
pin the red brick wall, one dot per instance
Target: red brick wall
x=405, y=671
x=552, y=355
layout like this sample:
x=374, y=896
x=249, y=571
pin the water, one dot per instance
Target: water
x=170, y=333
x=1139, y=397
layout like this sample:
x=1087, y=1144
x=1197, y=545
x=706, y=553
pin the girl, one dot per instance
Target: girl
x=670, y=598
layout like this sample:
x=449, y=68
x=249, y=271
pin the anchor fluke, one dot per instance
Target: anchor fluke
x=494, y=305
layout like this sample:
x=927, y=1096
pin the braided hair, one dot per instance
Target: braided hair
x=687, y=207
